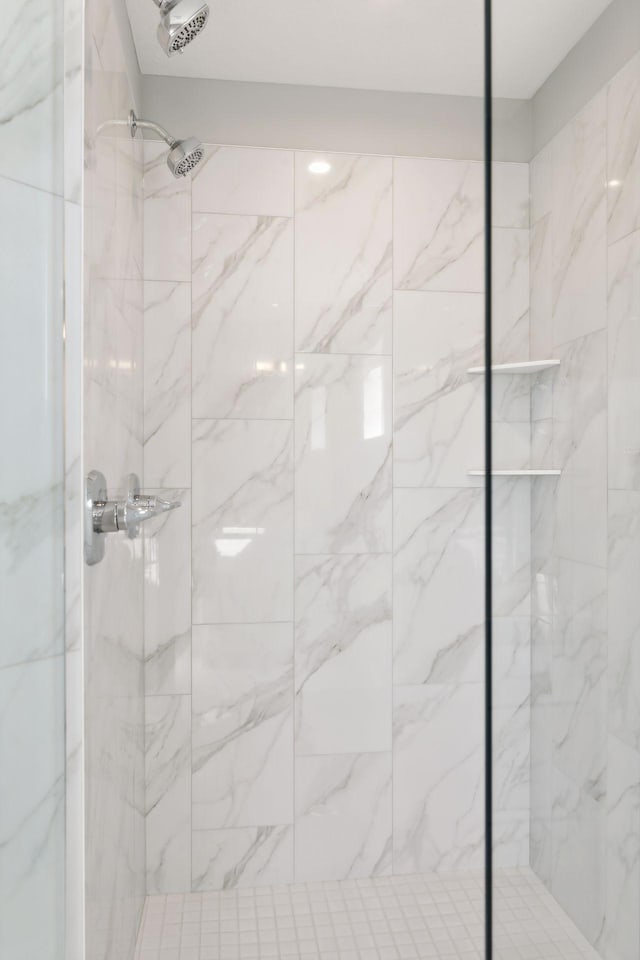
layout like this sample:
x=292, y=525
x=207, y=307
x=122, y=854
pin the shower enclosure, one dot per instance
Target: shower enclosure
x=318, y=532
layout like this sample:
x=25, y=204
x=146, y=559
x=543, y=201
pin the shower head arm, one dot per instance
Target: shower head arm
x=135, y=124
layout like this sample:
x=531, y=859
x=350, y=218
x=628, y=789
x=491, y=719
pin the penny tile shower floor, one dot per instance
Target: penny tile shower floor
x=386, y=918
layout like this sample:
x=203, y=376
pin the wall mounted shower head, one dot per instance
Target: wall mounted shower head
x=184, y=155
x=181, y=22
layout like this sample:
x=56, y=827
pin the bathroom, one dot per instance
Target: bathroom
x=320, y=494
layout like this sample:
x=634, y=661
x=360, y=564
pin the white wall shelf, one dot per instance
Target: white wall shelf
x=516, y=473
x=526, y=366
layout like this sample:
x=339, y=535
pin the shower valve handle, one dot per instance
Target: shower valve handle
x=103, y=515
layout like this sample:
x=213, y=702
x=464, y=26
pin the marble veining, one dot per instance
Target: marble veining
x=242, y=316
x=311, y=697
x=343, y=255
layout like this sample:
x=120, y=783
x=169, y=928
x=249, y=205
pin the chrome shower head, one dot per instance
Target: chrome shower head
x=181, y=22
x=184, y=155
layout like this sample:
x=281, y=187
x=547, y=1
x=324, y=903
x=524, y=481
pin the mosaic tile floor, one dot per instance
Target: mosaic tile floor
x=386, y=918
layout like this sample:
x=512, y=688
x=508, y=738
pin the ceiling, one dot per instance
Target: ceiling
x=426, y=46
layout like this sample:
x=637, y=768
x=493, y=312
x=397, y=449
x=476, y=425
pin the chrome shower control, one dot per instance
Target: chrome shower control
x=103, y=516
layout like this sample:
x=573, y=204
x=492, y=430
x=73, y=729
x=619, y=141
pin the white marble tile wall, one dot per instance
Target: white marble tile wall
x=585, y=725
x=331, y=671
x=113, y=404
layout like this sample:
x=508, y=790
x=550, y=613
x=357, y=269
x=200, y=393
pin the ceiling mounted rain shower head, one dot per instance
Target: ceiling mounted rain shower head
x=184, y=155
x=181, y=22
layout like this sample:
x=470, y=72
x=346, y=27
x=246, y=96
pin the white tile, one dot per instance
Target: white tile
x=511, y=543
x=510, y=195
x=167, y=384
x=510, y=293
x=244, y=180
x=343, y=654
x=242, y=725
x=167, y=218
x=623, y=151
x=437, y=556
x=32, y=754
x=580, y=449
x=167, y=598
x=168, y=794
x=438, y=225
x=371, y=917
x=579, y=225
x=343, y=255
x=438, y=773
x=242, y=316
x=437, y=404
x=242, y=521
x=541, y=290
x=31, y=136
x=623, y=346
x=623, y=655
x=343, y=816
x=578, y=882
x=252, y=856
x=579, y=655
x=623, y=851
x=343, y=454
x=31, y=382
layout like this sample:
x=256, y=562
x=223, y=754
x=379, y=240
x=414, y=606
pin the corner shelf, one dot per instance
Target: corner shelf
x=516, y=473
x=526, y=366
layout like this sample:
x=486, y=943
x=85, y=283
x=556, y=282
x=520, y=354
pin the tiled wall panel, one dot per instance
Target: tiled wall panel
x=332, y=673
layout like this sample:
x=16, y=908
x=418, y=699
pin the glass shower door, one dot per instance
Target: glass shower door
x=32, y=638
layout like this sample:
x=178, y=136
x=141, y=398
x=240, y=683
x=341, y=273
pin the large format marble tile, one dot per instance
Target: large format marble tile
x=168, y=794
x=438, y=406
x=167, y=218
x=622, y=940
x=623, y=345
x=343, y=454
x=343, y=654
x=438, y=229
x=31, y=85
x=510, y=295
x=245, y=857
x=623, y=151
x=580, y=450
x=242, y=316
x=623, y=649
x=113, y=382
x=244, y=180
x=437, y=558
x=579, y=676
x=343, y=816
x=541, y=290
x=242, y=503
x=167, y=384
x=343, y=255
x=114, y=203
x=167, y=598
x=579, y=851
x=32, y=812
x=511, y=746
x=242, y=725
x=438, y=763
x=511, y=542
x=32, y=432
x=579, y=224
x=510, y=195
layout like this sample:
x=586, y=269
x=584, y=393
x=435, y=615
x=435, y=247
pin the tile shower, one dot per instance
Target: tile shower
x=258, y=731
x=314, y=693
